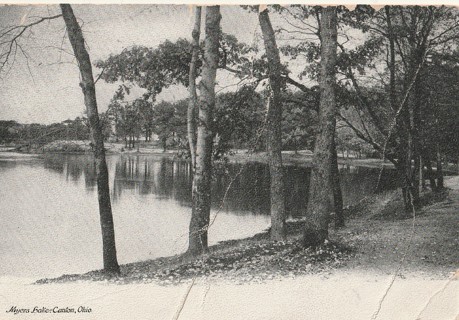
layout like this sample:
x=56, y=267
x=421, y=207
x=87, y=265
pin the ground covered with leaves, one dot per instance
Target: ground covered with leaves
x=378, y=236
x=256, y=259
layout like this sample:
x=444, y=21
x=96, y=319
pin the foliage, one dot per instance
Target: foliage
x=9, y=130
x=439, y=107
x=299, y=120
x=14, y=132
x=238, y=116
x=169, y=123
x=155, y=69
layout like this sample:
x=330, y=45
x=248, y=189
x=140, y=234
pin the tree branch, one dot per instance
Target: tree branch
x=292, y=82
x=13, y=42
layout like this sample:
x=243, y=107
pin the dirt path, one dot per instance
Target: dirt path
x=428, y=244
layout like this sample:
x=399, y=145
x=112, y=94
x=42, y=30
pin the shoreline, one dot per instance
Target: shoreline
x=376, y=236
x=289, y=158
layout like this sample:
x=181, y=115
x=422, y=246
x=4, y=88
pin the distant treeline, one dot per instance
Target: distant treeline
x=238, y=117
x=13, y=132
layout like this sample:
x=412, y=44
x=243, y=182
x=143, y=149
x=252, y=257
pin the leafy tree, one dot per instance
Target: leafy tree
x=273, y=128
x=238, y=116
x=299, y=120
x=170, y=123
x=144, y=108
x=9, y=130
x=316, y=227
x=380, y=76
x=402, y=37
x=201, y=190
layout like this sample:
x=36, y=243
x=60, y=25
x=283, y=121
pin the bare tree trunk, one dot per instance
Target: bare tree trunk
x=164, y=143
x=316, y=227
x=201, y=191
x=391, y=62
x=89, y=91
x=191, y=112
x=414, y=126
x=337, y=194
x=430, y=174
x=422, y=178
x=274, y=130
x=440, y=184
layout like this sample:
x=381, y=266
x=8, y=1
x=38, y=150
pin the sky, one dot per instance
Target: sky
x=44, y=87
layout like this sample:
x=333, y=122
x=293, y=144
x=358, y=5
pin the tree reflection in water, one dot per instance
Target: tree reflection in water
x=166, y=178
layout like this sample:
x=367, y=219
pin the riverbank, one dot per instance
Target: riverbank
x=377, y=236
x=301, y=158
x=349, y=278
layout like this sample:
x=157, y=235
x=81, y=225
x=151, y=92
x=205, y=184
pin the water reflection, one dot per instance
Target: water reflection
x=50, y=219
x=249, y=193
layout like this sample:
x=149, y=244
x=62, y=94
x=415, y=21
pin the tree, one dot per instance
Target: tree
x=89, y=91
x=201, y=190
x=306, y=24
x=170, y=123
x=191, y=112
x=273, y=128
x=404, y=37
x=299, y=120
x=144, y=108
x=316, y=227
x=238, y=116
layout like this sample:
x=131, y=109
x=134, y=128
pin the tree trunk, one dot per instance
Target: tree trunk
x=430, y=174
x=337, y=194
x=422, y=178
x=440, y=184
x=416, y=147
x=89, y=91
x=274, y=130
x=391, y=62
x=164, y=143
x=316, y=227
x=191, y=112
x=201, y=191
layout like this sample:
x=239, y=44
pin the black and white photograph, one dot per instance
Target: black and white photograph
x=228, y=161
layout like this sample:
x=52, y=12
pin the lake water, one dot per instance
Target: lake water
x=49, y=213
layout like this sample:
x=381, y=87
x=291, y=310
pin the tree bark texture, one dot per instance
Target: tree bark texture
x=274, y=129
x=317, y=220
x=87, y=84
x=391, y=61
x=429, y=172
x=440, y=184
x=201, y=191
x=191, y=112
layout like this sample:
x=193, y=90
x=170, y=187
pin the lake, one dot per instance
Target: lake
x=49, y=212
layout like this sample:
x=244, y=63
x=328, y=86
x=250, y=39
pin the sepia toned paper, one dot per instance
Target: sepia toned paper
x=378, y=266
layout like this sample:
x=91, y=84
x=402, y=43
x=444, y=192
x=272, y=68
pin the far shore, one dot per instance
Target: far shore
x=299, y=158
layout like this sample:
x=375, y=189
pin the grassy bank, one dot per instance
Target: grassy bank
x=378, y=236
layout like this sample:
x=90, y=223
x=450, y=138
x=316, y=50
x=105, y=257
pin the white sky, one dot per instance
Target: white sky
x=48, y=90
